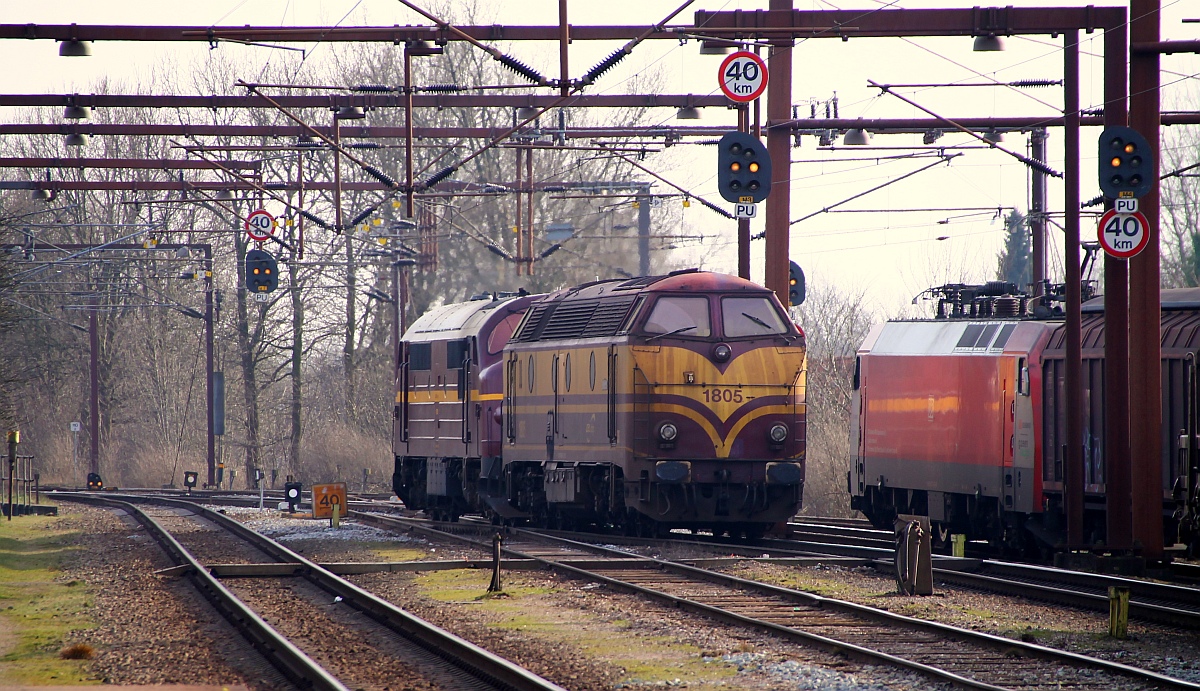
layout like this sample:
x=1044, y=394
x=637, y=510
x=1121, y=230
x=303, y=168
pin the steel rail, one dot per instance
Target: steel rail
x=298, y=667
x=882, y=615
x=455, y=650
x=817, y=601
x=1149, y=601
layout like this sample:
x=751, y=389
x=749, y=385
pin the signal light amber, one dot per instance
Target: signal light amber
x=1130, y=148
x=268, y=271
x=256, y=271
x=1116, y=162
x=735, y=166
x=754, y=166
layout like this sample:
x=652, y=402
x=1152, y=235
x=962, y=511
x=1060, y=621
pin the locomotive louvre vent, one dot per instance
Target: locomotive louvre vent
x=608, y=318
x=593, y=318
x=1003, y=336
x=639, y=282
x=970, y=336
x=568, y=320
x=530, y=327
x=977, y=336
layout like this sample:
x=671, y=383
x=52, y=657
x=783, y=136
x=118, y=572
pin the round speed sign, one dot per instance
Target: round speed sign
x=1123, y=235
x=743, y=76
x=259, y=225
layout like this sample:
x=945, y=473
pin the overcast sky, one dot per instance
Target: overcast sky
x=888, y=256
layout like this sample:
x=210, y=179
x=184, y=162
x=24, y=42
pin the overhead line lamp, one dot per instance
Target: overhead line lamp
x=688, y=113
x=76, y=139
x=989, y=43
x=856, y=137
x=993, y=136
x=422, y=48
x=75, y=49
x=715, y=48
x=225, y=195
x=526, y=112
x=77, y=113
x=351, y=113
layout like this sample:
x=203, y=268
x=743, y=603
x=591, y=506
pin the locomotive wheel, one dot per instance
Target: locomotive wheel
x=755, y=531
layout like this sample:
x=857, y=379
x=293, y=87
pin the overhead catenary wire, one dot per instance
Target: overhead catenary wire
x=1031, y=162
x=891, y=181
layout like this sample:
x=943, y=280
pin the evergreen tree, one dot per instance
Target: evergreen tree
x=1014, y=263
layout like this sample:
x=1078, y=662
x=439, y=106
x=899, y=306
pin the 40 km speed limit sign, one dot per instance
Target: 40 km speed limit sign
x=743, y=76
x=259, y=225
x=1123, y=235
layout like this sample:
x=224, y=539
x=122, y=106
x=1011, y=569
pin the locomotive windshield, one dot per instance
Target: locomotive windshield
x=680, y=315
x=750, y=316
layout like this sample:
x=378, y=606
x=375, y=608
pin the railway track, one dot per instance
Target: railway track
x=1176, y=605
x=967, y=659
x=426, y=648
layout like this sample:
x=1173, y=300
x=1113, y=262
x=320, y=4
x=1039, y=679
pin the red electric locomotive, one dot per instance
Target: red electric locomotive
x=960, y=418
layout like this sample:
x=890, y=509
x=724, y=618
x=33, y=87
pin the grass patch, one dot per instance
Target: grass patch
x=530, y=606
x=390, y=551
x=37, y=609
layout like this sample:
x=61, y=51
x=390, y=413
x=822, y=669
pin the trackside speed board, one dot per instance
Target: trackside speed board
x=1123, y=235
x=743, y=76
x=259, y=225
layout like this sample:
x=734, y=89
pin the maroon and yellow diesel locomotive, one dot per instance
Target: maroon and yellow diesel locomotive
x=642, y=404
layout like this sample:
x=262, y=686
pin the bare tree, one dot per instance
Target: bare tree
x=835, y=324
x=1180, y=206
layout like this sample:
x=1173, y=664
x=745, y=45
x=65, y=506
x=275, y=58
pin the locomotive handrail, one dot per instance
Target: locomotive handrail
x=612, y=395
x=465, y=384
x=404, y=393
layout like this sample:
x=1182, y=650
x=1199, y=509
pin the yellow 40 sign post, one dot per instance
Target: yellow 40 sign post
x=325, y=497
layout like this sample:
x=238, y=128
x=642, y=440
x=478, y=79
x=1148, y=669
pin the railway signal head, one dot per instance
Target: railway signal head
x=1126, y=163
x=262, y=272
x=189, y=480
x=743, y=168
x=291, y=493
x=795, y=284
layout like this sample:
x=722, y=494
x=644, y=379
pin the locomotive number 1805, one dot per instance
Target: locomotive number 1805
x=722, y=395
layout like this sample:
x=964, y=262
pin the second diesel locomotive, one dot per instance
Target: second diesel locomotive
x=641, y=405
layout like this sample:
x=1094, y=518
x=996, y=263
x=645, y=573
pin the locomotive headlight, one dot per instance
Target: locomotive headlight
x=721, y=352
x=777, y=434
x=667, y=431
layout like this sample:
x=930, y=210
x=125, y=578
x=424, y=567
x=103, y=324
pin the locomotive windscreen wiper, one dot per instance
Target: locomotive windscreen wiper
x=671, y=333
x=756, y=320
